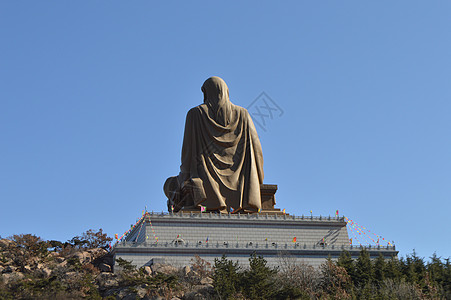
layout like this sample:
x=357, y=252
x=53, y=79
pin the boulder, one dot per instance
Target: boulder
x=26, y=269
x=104, y=267
x=206, y=281
x=107, y=280
x=83, y=257
x=165, y=269
x=46, y=272
x=5, y=243
x=59, y=259
x=11, y=277
x=186, y=270
x=32, y=261
x=62, y=264
x=147, y=270
x=97, y=252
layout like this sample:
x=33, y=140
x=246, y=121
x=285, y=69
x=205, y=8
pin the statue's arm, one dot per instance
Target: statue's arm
x=258, y=153
x=187, y=147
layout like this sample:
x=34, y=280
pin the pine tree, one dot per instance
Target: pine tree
x=258, y=281
x=379, y=269
x=414, y=269
x=363, y=268
x=345, y=260
x=447, y=281
x=226, y=277
x=393, y=269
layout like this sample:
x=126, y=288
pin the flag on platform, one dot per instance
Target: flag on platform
x=203, y=208
x=206, y=241
x=283, y=211
x=259, y=210
x=116, y=236
x=294, y=240
x=336, y=212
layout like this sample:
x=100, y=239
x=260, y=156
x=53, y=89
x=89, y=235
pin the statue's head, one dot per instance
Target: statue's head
x=216, y=97
x=215, y=89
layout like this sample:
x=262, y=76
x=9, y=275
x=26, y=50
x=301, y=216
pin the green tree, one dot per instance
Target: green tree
x=393, y=269
x=345, y=260
x=226, y=277
x=379, y=269
x=258, y=280
x=91, y=239
x=31, y=243
x=446, y=284
x=363, y=269
x=414, y=268
x=125, y=265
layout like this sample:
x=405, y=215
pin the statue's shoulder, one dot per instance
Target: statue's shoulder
x=240, y=110
x=196, y=110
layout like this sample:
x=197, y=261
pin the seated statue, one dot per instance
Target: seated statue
x=222, y=160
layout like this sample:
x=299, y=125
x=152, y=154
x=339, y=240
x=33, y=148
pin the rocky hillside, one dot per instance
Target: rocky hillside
x=31, y=268
x=34, y=269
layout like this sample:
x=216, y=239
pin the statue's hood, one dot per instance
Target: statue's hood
x=216, y=97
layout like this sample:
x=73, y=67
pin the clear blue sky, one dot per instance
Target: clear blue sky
x=94, y=94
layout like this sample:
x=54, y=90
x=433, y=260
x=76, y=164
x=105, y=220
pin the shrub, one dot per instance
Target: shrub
x=226, y=279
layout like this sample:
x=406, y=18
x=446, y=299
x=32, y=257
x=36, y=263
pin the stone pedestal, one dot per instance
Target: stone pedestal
x=182, y=235
x=267, y=192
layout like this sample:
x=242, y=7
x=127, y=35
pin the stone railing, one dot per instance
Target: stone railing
x=250, y=245
x=256, y=216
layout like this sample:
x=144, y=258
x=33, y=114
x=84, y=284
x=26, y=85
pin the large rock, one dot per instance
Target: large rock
x=97, y=252
x=62, y=264
x=186, y=270
x=206, y=281
x=147, y=270
x=26, y=269
x=5, y=243
x=83, y=257
x=11, y=277
x=59, y=259
x=107, y=280
x=200, y=293
x=46, y=272
x=165, y=269
x=104, y=267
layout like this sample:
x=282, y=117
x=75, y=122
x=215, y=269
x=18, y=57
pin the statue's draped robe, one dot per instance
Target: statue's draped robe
x=222, y=153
